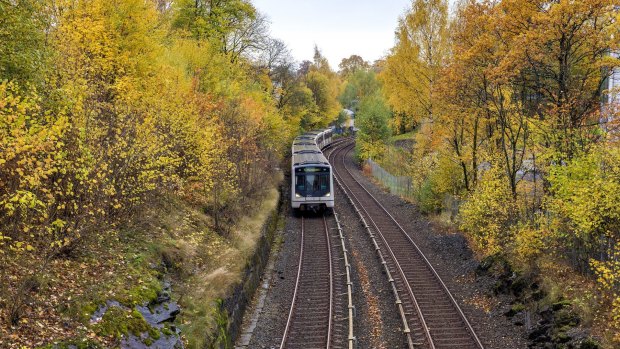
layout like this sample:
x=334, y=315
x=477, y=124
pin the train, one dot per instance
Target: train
x=312, y=180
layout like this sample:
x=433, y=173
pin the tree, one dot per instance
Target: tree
x=212, y=20
x=275, y=57
x=304, y=67
x=249, y=38
x=359, y=85
x=320, y=63
x=373, y=123
x=110, y=108
x=411, y=70
x=557, y=53
x=352, y=64
x=324, y=93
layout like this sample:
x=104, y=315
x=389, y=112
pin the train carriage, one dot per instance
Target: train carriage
x=311, y=174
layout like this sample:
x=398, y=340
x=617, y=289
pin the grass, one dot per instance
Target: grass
x=218, y=264
x=403, y=137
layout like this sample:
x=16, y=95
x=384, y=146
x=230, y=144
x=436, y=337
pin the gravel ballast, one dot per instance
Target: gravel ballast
x=377, y=324
x=454, y=262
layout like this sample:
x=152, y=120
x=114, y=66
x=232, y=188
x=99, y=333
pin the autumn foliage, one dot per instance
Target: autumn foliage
x=509, y=97
x=107, y=105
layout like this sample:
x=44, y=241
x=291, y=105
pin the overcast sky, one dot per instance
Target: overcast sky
x=340, y=28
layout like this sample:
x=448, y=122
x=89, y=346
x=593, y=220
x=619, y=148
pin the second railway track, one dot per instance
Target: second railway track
x=431, y=316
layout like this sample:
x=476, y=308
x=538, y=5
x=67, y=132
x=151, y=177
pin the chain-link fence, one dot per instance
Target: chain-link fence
x=403, y=186
x=397, y=184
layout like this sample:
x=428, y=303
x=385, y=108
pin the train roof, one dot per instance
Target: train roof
x=304, y=148
x=306, y=151
x=304, y=159
x=310, y=143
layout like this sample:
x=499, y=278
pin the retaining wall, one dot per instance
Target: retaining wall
x=232, y=309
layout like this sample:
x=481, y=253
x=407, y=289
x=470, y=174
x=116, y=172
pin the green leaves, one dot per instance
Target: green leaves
x=373, y=122
x=360, y=85
x=585, y=197
x=211, y=20
x=22, y=40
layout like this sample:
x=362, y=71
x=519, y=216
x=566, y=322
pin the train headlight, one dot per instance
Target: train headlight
x=328, y=194
x=297, y=195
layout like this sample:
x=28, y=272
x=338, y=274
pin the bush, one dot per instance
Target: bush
x=583, y=205
x=583, y=223
x=489, y=213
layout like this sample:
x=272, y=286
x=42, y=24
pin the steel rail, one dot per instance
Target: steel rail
x=331, y=284
x=351, y=308
x=392, y=281
x=351, y=339
x=291, y=315
x=400, y=270
x=419, y=252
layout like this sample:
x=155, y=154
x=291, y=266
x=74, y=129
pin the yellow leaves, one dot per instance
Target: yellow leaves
x=608, y=272
x=412, y=69
x=487, y=213
x=585, y=196
x=20, y=247
x=608, y=279
x=528, y=243
x=58, y=224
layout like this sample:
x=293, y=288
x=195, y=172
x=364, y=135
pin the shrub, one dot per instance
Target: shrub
x=489, y=212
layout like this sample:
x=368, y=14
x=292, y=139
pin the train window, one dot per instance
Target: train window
x=300, y=182
x=318, y=183
x=312, y=181
x=324, y=182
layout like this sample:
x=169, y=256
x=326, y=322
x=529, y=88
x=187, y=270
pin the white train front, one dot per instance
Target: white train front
x=312, y=182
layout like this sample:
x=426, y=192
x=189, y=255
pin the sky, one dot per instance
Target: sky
x=339, y=28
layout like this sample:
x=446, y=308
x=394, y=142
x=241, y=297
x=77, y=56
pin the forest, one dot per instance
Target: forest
x=511, y=123
x=114, y=114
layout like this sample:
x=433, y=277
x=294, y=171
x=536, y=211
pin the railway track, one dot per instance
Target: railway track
x=318, y=313
x=431, y=317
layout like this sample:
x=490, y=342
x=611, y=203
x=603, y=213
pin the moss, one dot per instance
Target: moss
x=566, y=317
x=117, y=322
x=515, y=309
x=87, y=310
x=144, y=292
x=167, y=332
x=589, y=343
x=561, y=335
x=561, y=305
x=154, y=333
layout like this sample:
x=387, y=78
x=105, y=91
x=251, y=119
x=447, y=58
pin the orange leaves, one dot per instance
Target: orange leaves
x=125, y=113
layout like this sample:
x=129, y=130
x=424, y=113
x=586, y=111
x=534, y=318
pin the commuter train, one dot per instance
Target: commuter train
x=312, y=182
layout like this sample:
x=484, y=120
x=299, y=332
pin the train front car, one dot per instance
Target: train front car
x=311, y=175
x=312, y=182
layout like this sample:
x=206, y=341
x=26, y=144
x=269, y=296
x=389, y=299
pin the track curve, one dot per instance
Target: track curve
x=431, y=316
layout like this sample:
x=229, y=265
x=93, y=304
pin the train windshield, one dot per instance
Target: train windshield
x=312, y=181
